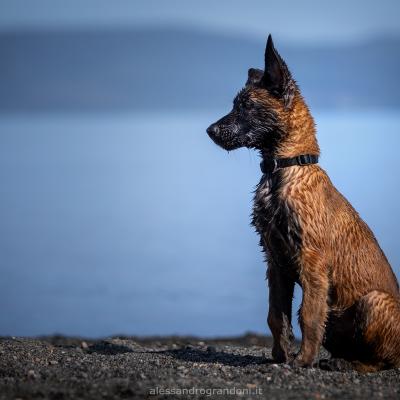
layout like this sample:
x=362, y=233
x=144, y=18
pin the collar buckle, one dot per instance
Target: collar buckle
x=275, y=161
x=303, y=159
x=269, y=165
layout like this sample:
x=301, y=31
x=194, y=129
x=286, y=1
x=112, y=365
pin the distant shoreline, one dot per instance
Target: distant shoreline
x=98, y=70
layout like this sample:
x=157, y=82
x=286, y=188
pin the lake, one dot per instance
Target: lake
x=139, y=225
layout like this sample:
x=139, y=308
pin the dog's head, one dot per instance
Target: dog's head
x=260, y=109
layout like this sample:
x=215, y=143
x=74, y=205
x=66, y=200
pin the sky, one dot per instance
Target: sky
x=134, y=222
x=309, y=21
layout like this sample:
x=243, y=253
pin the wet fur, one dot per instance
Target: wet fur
x=311, y=235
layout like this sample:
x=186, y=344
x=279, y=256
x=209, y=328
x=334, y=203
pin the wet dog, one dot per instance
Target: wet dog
x=310, y=233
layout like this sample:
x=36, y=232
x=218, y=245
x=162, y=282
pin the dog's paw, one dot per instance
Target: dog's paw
x=279, y=355
x=300, y=362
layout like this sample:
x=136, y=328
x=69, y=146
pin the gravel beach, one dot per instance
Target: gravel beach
x=171, y=367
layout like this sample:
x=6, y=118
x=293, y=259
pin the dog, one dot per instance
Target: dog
x=310, y=233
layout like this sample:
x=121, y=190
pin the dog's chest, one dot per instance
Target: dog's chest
x=277, y=224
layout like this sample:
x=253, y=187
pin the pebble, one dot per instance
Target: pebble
x=32, y=374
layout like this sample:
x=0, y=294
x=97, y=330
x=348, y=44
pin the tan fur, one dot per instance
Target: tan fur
x=344, y=275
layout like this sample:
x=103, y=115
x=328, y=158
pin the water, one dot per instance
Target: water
x=139, y=224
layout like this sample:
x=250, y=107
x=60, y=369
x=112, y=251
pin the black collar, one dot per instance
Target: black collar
x=270, y=165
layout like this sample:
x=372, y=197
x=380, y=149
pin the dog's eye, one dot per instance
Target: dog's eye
x=275, y=92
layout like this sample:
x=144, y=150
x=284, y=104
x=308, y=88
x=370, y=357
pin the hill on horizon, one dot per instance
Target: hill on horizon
x=173, y=69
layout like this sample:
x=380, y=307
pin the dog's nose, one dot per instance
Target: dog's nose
x=213, y=130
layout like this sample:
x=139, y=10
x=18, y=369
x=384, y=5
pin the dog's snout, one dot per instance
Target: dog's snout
x=213, y=130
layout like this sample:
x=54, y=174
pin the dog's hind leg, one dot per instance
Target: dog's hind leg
x=377, y=323
x=366, y=336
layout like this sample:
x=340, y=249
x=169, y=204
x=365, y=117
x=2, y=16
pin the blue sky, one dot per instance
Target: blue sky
x=90, y=248
x=310, y=21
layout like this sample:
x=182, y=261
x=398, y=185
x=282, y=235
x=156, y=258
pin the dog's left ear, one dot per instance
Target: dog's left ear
x=277, y=78
x=254, y=77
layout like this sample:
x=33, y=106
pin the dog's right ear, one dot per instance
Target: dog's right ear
x=277, y=78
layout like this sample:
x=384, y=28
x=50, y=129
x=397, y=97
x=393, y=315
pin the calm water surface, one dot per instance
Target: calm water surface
x=139, y=224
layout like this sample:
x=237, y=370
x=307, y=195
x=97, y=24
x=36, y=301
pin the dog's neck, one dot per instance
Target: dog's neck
x=299, y=134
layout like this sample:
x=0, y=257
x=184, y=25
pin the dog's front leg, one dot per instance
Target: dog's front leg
x=314, y=309
x=280, y=312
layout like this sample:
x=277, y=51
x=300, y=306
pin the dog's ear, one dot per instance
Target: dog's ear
x=254, y=76
x=277, y=78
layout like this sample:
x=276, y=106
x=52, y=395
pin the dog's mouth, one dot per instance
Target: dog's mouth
x=224, y=145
